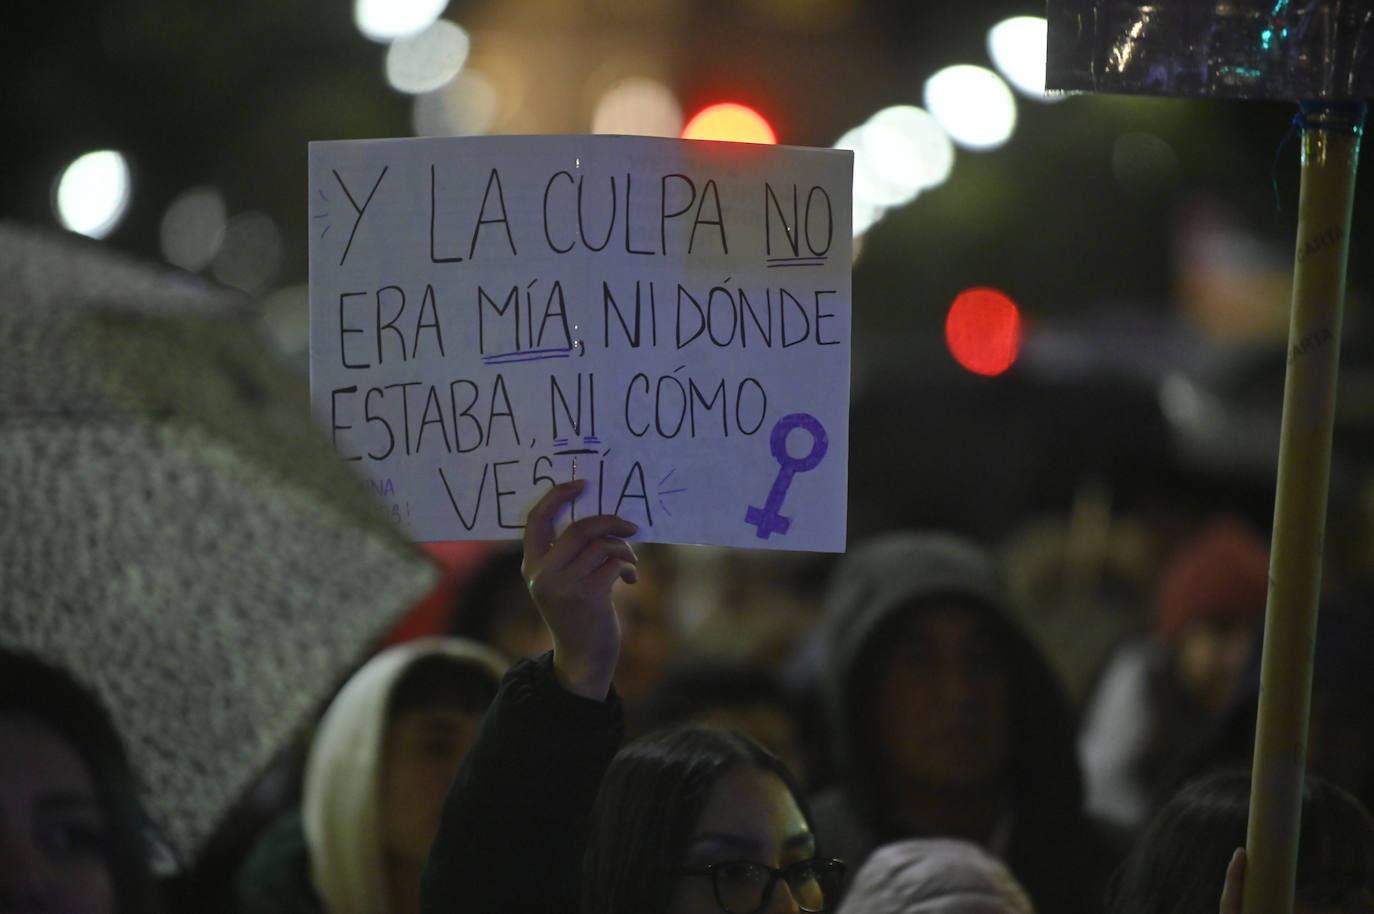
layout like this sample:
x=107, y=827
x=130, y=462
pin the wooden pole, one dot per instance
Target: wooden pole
x=1330, y=150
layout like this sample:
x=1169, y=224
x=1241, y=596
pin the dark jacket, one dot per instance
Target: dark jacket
x=275, y=876
x=514, y=823
x=1051, y=848
x=1340, y=745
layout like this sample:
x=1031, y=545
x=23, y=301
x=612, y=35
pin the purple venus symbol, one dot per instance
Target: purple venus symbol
x=767, y=519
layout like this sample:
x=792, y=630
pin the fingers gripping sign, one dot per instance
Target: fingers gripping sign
x=1233, y=888
x=570, y=575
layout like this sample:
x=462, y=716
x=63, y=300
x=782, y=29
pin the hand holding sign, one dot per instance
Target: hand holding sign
x=570, y=577
x=1233, y=887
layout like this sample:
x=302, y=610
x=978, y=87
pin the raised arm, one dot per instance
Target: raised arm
x=514, y=822
x=570, y=578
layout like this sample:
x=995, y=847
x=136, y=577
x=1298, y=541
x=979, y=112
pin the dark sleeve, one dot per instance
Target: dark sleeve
x=274, y=877
x=513, y=827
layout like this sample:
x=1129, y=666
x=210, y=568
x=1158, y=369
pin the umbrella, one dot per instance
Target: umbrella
x=175, y=530
x=1318, y=54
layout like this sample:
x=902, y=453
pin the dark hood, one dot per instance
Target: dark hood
x=881, y=579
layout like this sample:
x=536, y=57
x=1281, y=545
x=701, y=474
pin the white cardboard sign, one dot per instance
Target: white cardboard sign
x=669, y=319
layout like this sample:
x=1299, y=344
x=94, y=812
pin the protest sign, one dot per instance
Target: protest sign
x=668, y=319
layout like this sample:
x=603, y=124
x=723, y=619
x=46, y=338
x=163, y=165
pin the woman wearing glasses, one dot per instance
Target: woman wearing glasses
x=546, y=816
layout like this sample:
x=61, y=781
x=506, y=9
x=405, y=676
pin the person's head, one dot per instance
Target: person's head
x=71, y=827
x=945, y=716
x=929, y=680
x=1340, y=734
x=1208, y=603
x=382, y=759
x=494, y=607
x=940, y=688
x=678, y=807
x=433, y=715
x=1178, y=863
x=934, y=876
x=734, y=695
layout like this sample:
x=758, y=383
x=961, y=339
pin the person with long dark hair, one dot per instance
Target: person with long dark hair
x=702, y=819
x=1176, y=867
x=545, y=815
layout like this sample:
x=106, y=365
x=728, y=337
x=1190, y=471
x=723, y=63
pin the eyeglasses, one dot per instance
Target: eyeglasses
x=744, y=887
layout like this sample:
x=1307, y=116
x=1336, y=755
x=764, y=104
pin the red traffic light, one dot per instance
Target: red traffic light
x=729, y=121
x=983, y=330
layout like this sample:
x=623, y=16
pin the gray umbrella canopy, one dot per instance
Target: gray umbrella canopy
x=175, y=529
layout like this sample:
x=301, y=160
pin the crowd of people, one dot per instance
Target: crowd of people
x=563, y=745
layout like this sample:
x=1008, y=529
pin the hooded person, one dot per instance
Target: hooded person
x=380, y=762
x=1340, y=735
x=948, y=721
x=1160, y=695
x=934, y=876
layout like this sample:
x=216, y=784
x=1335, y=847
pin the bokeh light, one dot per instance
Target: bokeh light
x=898, y=152
x=870, y=187
x=192, y=229
x=93, y=193
x=983, y=330
x=973, y=105
x=909, y=145
x=518, y=95
x=888, y=170
x=251, y=253
x=729, y=121
x=383, y=20
x=464, y=107
x=1017, y=49
x=427, y=60
x=284, y=316
x=638, y=106
x=866, y=215
x=1143, y=163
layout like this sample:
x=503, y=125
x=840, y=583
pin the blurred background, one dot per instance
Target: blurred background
x=1143, y=245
